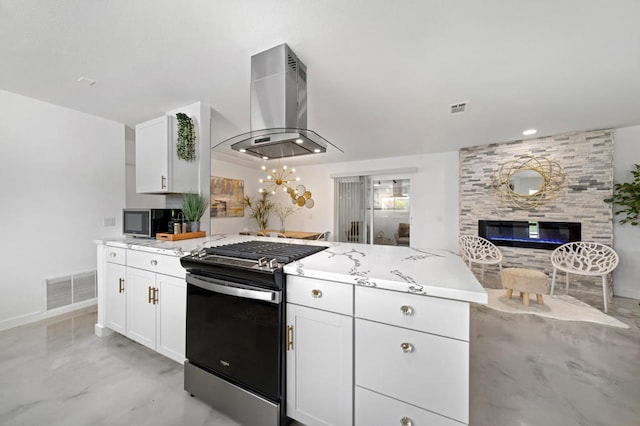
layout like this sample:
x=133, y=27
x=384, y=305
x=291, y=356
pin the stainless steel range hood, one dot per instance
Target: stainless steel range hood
x=278, y=109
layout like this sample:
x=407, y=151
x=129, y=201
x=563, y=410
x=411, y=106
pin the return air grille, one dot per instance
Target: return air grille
x=67, y=290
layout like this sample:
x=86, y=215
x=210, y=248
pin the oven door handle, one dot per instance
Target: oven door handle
x=232, y=289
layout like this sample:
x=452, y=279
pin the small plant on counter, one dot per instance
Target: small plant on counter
x=260, y=207
x=627, y=197
x=186, y=146
x=193, y=207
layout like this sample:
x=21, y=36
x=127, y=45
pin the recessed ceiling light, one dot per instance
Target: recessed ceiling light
x=299, y=141
x=530, y=132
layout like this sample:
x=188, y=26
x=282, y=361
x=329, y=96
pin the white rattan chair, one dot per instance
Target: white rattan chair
x=478, y=250
x=276, y=235
x=584, y=258
x=324, y=236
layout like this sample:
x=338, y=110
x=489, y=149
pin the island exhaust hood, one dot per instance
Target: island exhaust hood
x=278, y=109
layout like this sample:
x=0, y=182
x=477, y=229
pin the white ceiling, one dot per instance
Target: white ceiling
x=381, y=74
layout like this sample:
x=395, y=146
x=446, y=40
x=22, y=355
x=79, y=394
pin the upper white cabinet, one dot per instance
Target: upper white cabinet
x=158, y=168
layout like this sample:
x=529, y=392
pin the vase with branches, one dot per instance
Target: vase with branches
x=261, y=207
x=283, y=212
x=627, y=198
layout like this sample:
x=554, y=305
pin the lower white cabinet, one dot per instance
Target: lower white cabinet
x=156, y=312
x=375, y=409
x=319, y=367
x=116, y=298
x=145, y=298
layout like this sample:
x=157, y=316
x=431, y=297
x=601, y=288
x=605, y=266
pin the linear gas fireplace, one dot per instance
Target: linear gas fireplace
x=541, y=235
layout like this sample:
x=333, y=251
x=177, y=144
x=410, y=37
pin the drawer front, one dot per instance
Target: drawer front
x=160, y=263
x=429, y=314
x=320, y=294
x=431, y=372
x=115, y=255
x=375, y=409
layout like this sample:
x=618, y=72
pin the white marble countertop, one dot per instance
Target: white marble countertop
x=437, y=273
x=428, y=272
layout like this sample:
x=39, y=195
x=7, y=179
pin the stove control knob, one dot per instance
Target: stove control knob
x=273, y=263
x=262, y=261
x=202, y=252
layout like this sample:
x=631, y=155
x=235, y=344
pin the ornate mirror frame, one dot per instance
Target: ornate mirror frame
x=552, y=181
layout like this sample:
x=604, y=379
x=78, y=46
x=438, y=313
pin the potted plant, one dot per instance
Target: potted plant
x=193, y=207
x=627, y=197
x=260, y=208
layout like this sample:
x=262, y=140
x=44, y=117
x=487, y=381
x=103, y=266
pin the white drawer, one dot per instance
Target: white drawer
x=433, y=374
x=160, y=263
x=115, y=255
x=375, y=409
x=320, y=294
x=429, y=314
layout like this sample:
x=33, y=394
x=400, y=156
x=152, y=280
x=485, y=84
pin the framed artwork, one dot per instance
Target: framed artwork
x=226, y=197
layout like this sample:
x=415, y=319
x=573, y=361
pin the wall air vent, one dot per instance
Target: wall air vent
x=459, y=107
x=70, y=289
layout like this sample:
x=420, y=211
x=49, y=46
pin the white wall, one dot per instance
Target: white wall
x=434, y=196
x=626, y=238
x=62, y=173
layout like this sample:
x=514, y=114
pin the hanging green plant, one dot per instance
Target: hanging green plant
x=186, y=146
x=627, y=197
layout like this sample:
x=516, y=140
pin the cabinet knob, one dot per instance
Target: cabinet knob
x=406, y=347
x=154, y=262
x=406, y=421
x=406, y=310
x=112, y=254
x=316, y=293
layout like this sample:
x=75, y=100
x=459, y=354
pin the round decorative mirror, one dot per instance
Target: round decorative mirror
x=528, y=182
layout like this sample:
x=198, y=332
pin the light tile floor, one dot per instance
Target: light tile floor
x=525, y=370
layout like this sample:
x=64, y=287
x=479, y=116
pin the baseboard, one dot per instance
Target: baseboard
x=101, y=330
x=626, y=292
x=39, y=316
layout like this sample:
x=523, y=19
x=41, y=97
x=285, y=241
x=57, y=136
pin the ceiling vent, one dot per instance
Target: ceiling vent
x=459, y=107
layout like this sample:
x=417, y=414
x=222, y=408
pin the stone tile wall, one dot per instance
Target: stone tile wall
x=587, y=160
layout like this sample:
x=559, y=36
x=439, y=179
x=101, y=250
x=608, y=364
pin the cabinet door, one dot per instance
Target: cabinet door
x=152, y=161
x=141, y=310
x=171, y=316
x=320, y=367
x=116, y=306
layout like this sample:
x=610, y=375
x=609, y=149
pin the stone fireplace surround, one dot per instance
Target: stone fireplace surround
x=587, y=160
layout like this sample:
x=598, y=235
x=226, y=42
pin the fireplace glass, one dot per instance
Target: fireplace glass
x=541, y=235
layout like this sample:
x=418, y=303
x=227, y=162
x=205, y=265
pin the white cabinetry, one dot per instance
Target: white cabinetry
x=144, y=298
x=156, y=303
x=319, y=352
x=412, y=358
x=116, y=301
x=158, y=168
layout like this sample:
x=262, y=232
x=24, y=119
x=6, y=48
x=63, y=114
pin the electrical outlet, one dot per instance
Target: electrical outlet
x=109, y=221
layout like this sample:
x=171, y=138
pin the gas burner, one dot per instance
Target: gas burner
x=255, y=250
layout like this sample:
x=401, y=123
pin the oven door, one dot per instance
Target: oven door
x=235, y=331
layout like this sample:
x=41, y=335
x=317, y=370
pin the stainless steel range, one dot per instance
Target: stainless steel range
x=235, y=328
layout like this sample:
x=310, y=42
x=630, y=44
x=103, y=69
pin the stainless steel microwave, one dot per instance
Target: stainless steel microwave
x=148, y=222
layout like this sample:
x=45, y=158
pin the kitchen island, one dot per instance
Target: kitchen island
x=375, y=334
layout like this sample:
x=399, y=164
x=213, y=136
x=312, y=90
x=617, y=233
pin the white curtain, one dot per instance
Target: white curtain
x=351, y=195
